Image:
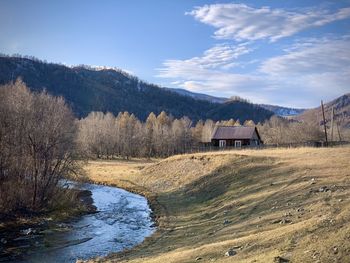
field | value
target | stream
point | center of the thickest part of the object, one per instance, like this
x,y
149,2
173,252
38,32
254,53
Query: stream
x,y
123,220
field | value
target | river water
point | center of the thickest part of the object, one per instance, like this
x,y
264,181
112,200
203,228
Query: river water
x,y
123,220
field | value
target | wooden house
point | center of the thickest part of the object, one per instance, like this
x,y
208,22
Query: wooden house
x,y
235,136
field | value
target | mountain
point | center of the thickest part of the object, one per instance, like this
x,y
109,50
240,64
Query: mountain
x,y
341,107
277,110
282,111
89,89
198,96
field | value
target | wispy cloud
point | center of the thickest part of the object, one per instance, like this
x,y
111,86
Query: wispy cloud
x,y
307,72
242,22
221,56
299,75
310,57
211,72
321,66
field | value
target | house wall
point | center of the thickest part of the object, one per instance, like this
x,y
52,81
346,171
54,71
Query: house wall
x,y
254,141
230,142
255,136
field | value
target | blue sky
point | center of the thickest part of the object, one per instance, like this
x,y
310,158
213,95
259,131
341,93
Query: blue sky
x,y
291,53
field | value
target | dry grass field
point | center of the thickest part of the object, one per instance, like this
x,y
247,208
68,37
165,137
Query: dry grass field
x,y
279,205
116,171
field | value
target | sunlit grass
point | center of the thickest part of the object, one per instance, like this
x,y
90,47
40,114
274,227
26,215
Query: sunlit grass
x,y
250,190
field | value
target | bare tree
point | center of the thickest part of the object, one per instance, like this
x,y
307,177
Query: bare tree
x,y
208,129
37,146
149,130
278,130
197,131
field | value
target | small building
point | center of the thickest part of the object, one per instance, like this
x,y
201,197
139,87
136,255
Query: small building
x,y
235,136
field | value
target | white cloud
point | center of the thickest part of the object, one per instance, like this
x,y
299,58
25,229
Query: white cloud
x,y
320,66
218,57
242,22
308,72
311,57
210,72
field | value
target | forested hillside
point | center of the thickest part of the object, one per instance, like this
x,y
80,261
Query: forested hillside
x,y
89,89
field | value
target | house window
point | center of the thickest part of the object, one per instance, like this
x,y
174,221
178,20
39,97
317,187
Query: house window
x,y
222,143
238,144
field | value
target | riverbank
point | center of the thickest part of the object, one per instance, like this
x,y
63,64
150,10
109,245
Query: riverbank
x,y
19,228
125,174
121,222
74,203
261,206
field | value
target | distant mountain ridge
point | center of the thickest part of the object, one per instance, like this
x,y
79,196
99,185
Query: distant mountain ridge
x,y
278,110
198,96
282,111
89,89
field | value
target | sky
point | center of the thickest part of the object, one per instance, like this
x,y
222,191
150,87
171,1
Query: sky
x,y
290,53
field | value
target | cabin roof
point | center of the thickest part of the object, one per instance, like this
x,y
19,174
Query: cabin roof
x,y
234,132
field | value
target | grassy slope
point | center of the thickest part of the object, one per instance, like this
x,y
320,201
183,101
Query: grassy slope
x,y
194,194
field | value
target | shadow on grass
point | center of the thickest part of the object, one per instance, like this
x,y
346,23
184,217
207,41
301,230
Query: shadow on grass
x,y
198,201
241,191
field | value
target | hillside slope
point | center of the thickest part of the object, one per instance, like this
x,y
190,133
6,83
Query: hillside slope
x,y
341,107
198,96
89,89
277,110
266,205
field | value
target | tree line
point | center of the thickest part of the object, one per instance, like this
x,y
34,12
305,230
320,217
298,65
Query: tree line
x,y
103,135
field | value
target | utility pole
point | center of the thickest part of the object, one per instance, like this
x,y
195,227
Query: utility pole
x,y
332,123
324,123
338,131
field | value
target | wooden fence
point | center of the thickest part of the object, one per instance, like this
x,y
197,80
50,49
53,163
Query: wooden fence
x,y
320,144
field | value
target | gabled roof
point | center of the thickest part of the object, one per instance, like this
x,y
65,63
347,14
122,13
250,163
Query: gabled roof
x,y
234,132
